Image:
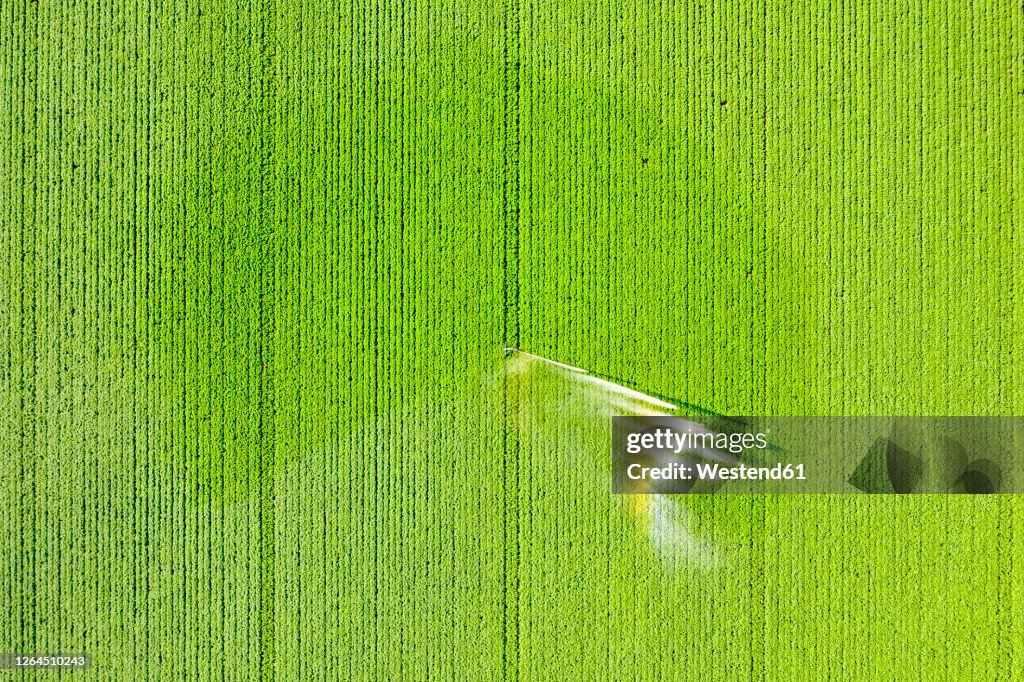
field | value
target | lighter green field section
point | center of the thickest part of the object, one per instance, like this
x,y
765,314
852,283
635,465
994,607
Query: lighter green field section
x,y
259,262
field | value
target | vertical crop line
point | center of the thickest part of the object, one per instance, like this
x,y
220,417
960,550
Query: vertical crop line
x,y
510,23
266,283
510,171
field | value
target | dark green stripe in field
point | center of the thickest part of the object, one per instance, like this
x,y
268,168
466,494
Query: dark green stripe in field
x,y
511,200
269,218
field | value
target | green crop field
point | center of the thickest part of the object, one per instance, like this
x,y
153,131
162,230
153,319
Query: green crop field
x,y
260,262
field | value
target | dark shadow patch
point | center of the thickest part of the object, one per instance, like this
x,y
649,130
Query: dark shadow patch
x,y
982,477
904,469
887,468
